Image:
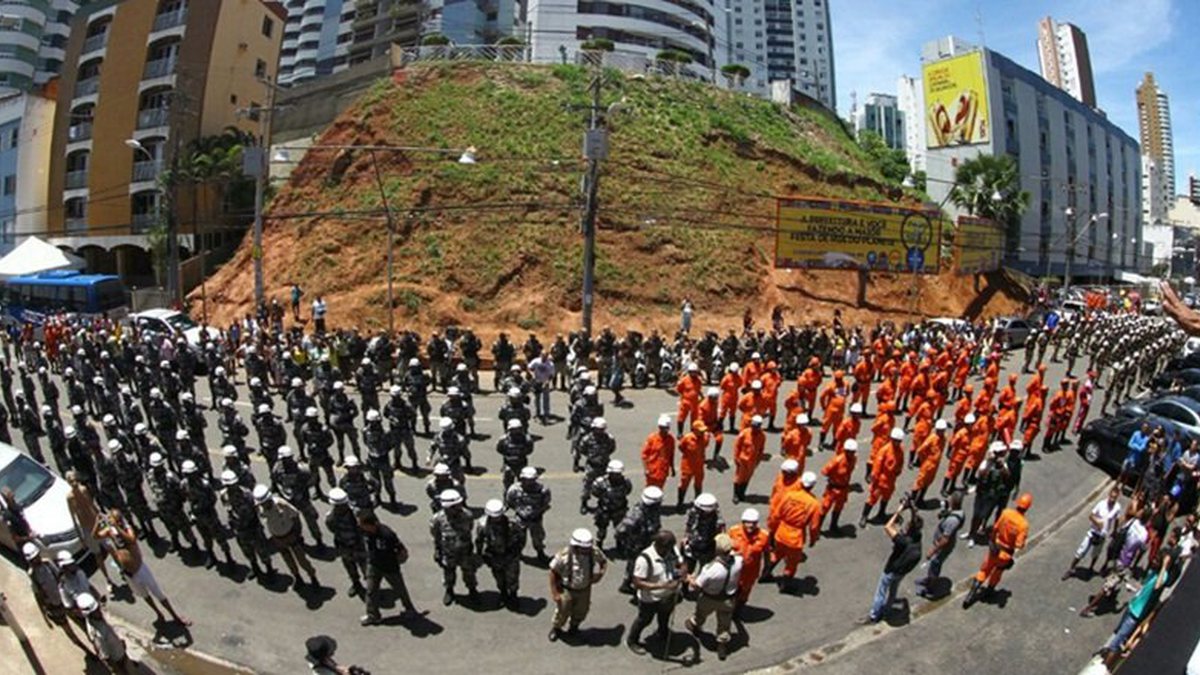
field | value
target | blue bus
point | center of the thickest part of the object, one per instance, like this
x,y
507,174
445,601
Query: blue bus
x,y
30,298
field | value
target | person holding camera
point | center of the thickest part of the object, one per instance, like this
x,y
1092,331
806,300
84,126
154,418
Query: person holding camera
x,y
906,553
944,539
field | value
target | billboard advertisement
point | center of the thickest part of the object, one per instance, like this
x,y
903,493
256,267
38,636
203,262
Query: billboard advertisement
x,y
837,234
956,102
980,243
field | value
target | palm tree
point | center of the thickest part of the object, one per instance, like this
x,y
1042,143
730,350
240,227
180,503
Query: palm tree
x,y
989,186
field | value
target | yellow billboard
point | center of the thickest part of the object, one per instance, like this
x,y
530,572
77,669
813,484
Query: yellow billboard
x,y
980,243
839,234
956,102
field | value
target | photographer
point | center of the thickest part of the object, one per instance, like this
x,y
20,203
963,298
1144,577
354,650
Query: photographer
x,y
321,649
944,539
906,553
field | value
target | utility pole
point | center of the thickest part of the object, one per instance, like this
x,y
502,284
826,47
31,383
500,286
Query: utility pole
x,y
595,149
1072,215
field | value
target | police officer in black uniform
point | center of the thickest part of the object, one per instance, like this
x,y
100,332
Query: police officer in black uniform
x,y
499,539
202,506
530,500
612,492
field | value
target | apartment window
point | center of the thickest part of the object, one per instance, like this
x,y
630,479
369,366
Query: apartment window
x,y
737,22
268,26
260,68
7,236
10,184
13,137
254,111
740,46
13,23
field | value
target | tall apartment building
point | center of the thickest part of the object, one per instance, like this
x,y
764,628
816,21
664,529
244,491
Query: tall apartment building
x,y
26,127
910,103
881,114
472,22
1066,64
1156,198
33,34
142,78
316,39
379,23
1082,172
783,40
1154,122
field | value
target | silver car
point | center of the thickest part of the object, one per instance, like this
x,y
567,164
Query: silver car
x,y
42,495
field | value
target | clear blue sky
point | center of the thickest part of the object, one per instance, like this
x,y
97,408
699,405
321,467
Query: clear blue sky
x,y
875,41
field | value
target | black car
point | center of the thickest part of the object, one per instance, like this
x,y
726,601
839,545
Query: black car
x,y
1104,442
1183,362
1187,377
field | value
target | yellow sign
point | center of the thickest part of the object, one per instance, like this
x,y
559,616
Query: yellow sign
x,y
832,234
980,244
956,102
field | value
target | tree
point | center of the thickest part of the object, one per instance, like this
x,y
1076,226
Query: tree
x,y
892,163
598,45
989,186
435,40
735,73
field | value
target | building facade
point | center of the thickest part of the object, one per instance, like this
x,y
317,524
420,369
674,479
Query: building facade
x,y
910,102
882,115
26,128
33,36
141,79
782,40
1156,199
1065,61
1082,172
316,39
1154,125
473,22
379,23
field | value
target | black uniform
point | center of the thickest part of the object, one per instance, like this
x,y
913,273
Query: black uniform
x,y
530,500
498,542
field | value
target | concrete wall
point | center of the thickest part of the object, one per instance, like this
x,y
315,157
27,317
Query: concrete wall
x,y
310,107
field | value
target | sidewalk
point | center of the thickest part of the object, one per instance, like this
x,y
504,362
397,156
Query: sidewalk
x,y
49,649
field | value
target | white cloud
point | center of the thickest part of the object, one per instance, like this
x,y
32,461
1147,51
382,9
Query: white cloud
x,y
1118,32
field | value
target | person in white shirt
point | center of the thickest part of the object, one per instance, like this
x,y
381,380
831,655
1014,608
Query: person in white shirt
x,y
542,370
718,586
657,575
1103,520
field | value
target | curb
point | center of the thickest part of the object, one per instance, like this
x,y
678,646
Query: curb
x,y
867,634
167,655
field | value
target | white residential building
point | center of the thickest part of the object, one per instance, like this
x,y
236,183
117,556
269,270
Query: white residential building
x,y
1066,64
33,36
316,39
26,129
910,101
1156,198
881,115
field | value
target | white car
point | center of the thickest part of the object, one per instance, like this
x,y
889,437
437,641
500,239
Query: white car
x,y
172,322
43,497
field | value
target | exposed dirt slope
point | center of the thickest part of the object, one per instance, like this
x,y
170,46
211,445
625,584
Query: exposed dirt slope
x,y
685,200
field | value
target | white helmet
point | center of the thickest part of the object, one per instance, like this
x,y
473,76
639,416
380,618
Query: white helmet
x,y
372,415
445,423
528,473
450,498
494,508
706,501
808,480
652,495
599,423
616,466
897,434
513,424
338,496
581,537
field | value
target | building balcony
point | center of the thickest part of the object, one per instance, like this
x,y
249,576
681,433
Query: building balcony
x,y
77,224
79,132
147,170
169,20
159,68
153,117
76,179
87,87
94,44
142,222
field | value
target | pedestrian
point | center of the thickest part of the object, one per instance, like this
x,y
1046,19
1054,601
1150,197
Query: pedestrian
x,y
296,294
750,542
658,454
1144,602
86,514
718,583
685,316
542,370
530,501
319,310
795,521
1102,521
657,575
573,572
282,522
612,492
905,555
1007,539
347,539
747,453
43,578
122,542
945,537
385,556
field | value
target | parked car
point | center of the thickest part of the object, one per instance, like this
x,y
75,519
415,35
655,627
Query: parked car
x,y
1070,308
1187,377
172,322
1104,441
43,497
1182,410
1013,331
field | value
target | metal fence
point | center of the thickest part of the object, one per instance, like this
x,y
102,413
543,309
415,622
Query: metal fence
x,y
630,62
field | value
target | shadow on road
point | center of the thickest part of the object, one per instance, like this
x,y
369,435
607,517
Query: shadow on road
x,y
595,637
418,625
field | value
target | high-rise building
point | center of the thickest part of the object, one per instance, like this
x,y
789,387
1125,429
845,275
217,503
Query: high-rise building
x,y
1066,64
26,127
142,78
1156,199
316,39
1154,122
33,34
377,24
909,101
881,115
472,22
1082,172
783,40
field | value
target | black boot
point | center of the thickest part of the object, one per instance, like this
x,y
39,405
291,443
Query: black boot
x,y
862,521
679,495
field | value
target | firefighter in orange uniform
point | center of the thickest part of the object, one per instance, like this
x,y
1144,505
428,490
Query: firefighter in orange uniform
x,y
754,368
863,376
710,414
771,380
796,522
795,442
1008,538
1008,395
960,448
752,403
924,425
731,386
658,454
808,383
886,393
837,472
981,431
833,405
692,449
963,407
849,427
688,387
747,453
1031,417
1059,417
884,474
930,457
1006,422
749,541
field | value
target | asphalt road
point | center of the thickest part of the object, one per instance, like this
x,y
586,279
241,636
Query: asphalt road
x,y
264,626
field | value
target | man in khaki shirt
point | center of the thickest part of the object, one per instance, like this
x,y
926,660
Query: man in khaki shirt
x,y
573,572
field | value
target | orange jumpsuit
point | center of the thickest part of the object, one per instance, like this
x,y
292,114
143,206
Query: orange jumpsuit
x,y
752,371
1058,408
1006,424
885,471
849,428
962,368
710,415
930,457
886,393
689,389
981,431
771,380
1008,536
1008,395
784,483
658,457
798,522
837,472
1035,383
863,375
963,407
808,383
747,453
920,389
1031,419
791,407
752,403
752,546
960,447
833,405
731,384
795,445
908,370
924,425
691,460
983,403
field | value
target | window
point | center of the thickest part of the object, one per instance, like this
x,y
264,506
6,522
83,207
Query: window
x,y
13,23
10,184
255,111
7,236
260,68
268,26
10,139
233,99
